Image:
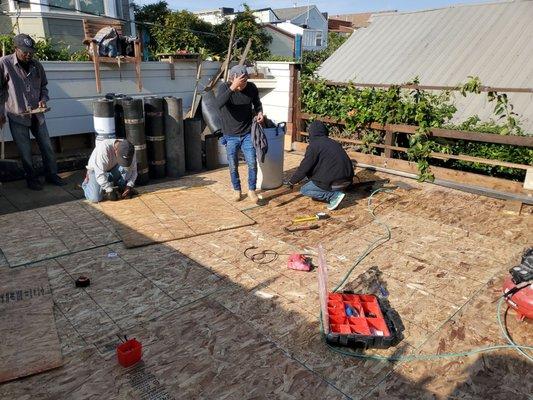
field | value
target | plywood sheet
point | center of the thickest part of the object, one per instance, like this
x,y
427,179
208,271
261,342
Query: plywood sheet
x,y
172,214
44,233
30,343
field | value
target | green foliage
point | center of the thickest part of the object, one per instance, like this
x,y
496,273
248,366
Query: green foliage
x,y
151,14
246,26
47,50
6,42
311,60
359,107
182,30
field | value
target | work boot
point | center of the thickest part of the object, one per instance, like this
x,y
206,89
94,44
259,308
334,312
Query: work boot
x,y
253,196
55,180
236,195
34,184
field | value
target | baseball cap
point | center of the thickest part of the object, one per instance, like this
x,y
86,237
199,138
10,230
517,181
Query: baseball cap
x,y
25,43
125,152
238,70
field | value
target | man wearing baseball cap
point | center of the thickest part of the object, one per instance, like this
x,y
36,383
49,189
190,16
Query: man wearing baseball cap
x,y
111,171
238,100
23,88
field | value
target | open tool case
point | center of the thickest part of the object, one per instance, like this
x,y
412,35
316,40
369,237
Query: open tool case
x,y
359,320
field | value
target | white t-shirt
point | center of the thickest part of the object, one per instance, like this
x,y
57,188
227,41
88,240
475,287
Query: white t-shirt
x,y
103,159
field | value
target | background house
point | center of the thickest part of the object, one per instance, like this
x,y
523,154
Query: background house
x,y
307,21
60,19
443,47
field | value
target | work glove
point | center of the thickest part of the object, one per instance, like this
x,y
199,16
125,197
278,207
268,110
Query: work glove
x,y
112,195
128,192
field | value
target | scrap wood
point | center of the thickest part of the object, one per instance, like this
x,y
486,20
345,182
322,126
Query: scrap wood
x,y
30,343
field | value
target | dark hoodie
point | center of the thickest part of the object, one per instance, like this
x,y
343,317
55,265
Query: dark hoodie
x,y
325,160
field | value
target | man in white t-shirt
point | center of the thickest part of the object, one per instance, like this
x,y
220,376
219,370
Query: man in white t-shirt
x,y
111,171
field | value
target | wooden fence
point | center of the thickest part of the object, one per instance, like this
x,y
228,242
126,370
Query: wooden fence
x,y
389,160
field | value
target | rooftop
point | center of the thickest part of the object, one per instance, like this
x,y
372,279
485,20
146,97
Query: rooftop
x,y
216,324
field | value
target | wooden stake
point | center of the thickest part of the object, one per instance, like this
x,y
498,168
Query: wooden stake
x,y
228,56
246,51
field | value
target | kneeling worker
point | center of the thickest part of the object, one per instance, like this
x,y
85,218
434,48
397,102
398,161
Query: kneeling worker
x,y
111,171
328,167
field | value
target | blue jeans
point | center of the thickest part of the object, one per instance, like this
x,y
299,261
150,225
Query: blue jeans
x,y
313,191
21,136
233,145
91,188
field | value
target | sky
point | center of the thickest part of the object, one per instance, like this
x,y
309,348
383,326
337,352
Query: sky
x,y
330,6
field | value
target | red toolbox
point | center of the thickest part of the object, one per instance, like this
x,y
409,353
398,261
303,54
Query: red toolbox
x,y
356,320
361,321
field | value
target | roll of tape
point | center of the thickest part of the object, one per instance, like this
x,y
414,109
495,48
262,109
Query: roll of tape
x,y
83,281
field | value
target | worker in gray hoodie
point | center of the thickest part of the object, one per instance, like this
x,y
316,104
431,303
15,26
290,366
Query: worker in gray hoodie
x,y
111,171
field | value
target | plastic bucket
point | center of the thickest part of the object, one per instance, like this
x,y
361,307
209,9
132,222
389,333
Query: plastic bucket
x,y
270,172
129,353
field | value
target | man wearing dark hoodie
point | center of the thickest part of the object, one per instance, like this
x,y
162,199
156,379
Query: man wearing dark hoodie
x,y
328,167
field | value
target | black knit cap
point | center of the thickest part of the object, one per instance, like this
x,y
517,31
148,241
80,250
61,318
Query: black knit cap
x,y
317,128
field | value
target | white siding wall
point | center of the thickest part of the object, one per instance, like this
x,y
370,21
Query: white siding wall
x,y
276,101
72,90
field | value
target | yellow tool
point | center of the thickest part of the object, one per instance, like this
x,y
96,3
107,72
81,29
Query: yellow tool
x,y
316,217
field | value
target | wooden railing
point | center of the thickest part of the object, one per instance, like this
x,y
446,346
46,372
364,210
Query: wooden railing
x,y
388,160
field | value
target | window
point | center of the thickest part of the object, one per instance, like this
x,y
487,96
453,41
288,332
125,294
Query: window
x,y
61,4
89,6
318,39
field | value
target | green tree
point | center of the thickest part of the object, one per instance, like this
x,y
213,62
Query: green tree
x,y
246,26
182,30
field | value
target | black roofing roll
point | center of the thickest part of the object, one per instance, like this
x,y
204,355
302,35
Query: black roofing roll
x,y
104,119
119,115
134,127
193,143
155,136
174,140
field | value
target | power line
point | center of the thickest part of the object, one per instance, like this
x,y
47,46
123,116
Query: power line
x,y
88,13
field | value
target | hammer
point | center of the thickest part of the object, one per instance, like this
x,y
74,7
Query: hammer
x,y
316,217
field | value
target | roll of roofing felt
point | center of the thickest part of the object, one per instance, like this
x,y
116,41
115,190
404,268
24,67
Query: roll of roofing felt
x,y
104,119
134,127
155,136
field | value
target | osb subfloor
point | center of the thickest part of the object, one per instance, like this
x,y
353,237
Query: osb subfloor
x,y
215,325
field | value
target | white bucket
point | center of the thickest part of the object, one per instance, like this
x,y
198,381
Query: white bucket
x,y
222,153
270,172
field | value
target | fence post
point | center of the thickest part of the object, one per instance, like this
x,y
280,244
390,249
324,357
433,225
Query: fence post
x,y
389,141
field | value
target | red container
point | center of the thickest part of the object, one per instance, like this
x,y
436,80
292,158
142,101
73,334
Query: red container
x,y
129,352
